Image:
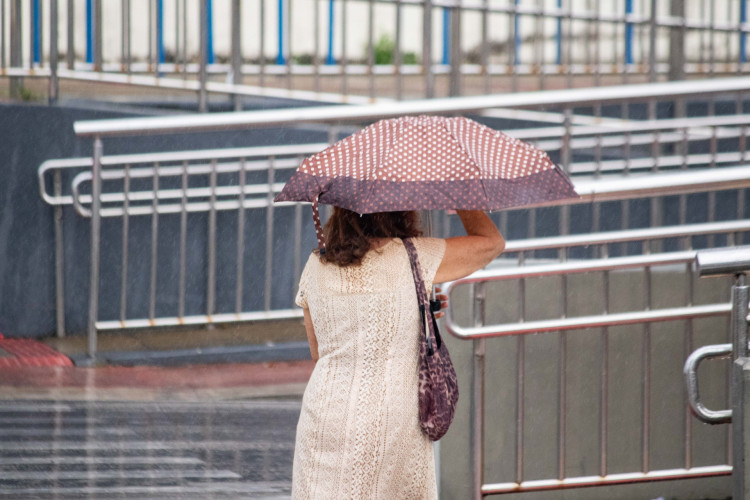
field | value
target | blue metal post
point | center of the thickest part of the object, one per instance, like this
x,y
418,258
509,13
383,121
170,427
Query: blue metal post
x,y
330,59
280,59
89,31
517,36
558,35
628,34
446,36
37,33
743,35
210,38
160,30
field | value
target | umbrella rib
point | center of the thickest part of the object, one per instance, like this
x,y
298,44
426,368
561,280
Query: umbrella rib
x,y
471,159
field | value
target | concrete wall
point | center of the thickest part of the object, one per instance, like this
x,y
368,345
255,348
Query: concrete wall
x,y
32,134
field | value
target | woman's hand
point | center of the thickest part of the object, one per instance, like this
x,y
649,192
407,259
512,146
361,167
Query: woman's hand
x,y
443,301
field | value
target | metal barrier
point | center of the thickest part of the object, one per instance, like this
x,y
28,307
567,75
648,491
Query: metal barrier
x,y
734,262
480,331
309,51
152,199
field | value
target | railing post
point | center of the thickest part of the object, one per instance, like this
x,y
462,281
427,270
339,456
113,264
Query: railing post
x,y
740,389
477,397
429,76
70,46
203,56
652,44
98,62
16,47
628,35
53,55
59,258
96,190
236,51
677,42
455,48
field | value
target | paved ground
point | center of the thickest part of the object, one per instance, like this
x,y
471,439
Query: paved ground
x,y
209,431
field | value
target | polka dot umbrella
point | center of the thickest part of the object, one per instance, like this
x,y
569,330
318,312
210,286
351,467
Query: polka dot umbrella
x,y
423,163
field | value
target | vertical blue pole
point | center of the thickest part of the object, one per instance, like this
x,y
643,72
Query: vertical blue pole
x,y
446,36
558,36
37,34
330,59
628,34
743,35
89,32
517,35
210,35
160,30
280,57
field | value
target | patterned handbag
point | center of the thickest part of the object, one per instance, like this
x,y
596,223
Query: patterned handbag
x,y
438,386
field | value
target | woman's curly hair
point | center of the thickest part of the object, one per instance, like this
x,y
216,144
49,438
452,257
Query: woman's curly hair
x,y
347,233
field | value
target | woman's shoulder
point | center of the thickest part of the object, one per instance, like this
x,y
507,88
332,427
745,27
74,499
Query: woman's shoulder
x,y
432,246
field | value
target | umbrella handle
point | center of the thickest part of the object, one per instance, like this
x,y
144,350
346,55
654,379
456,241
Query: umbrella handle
x,y
318,227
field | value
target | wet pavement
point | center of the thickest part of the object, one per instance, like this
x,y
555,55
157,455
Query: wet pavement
x,y
223,431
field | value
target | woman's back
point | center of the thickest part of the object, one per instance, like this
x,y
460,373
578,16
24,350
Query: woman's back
x,y
359,434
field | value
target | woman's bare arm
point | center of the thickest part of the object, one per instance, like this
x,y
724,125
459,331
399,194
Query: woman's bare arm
x,y
311,338
466,254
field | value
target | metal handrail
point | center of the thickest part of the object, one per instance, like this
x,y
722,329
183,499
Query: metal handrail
x,y
720,351
329,114
591,190
170,157
567,268
478,333
609,237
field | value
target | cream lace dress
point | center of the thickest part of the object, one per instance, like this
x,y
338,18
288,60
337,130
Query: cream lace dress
x,y
358,435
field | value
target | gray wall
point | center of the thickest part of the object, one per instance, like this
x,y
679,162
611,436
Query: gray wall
x,y
32,134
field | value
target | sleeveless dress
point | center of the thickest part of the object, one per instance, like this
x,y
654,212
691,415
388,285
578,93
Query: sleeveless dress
x,y
358,435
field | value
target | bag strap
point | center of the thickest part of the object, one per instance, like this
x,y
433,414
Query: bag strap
x,y
425,304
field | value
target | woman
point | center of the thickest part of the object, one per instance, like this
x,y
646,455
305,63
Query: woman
x,y
358,434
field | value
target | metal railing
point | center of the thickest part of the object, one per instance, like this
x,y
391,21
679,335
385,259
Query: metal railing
x,y
308,50
154,180
599,328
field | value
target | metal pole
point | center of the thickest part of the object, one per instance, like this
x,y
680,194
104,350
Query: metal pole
x,y
429,77
739,326
628,34
16,47
89,30
159,34
70,51
236,51
3,62
36,34
446,36
280,54
455,41
210,32
54,87
97,35
125,38
652,44
677,42
558,36
203,56
477,399
59,258
330,59
743,35
96,191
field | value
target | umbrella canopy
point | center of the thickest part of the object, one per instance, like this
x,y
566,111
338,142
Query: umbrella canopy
x,y
427,162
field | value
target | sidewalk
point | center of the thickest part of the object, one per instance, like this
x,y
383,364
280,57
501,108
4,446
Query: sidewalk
x,y
231,381
224,363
